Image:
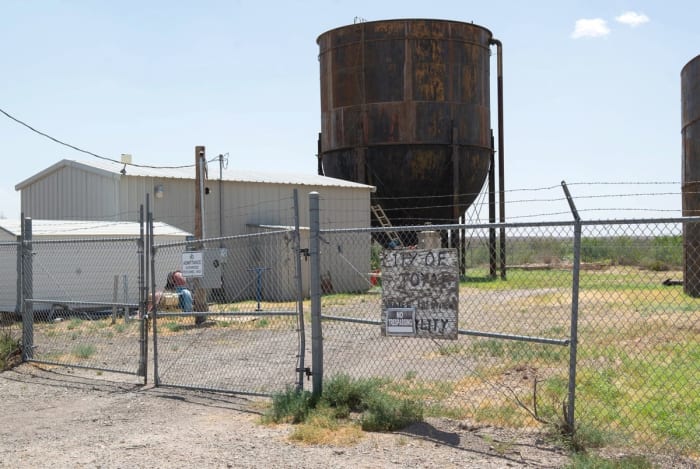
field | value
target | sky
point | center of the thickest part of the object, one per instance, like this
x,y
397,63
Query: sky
x,y
591,89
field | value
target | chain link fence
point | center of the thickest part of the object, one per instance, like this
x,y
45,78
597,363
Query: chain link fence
x,y
511,335
639,336
505,324
513,360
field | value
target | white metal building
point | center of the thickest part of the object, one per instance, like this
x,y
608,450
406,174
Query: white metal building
x,y
97,190
235,201
77,271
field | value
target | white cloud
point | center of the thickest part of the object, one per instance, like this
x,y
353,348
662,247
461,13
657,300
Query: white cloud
x,y
632,18
594,27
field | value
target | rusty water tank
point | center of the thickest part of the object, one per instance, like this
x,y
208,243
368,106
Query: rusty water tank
x,y
405,108
690,131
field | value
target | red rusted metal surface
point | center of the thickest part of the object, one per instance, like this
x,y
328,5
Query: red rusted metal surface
x,y
690,131
404,104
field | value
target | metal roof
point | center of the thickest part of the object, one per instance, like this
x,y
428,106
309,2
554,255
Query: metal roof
x,y
78,228
106,168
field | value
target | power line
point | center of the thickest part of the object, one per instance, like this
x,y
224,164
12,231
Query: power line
x,y
43,134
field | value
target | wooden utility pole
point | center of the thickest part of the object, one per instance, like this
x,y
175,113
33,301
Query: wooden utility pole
x,y
199,293
199,161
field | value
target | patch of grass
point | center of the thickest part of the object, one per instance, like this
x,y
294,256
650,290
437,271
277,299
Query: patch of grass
x,y
425,391
337,299
290,406
100,324
9,347
74,324
322,427
386,413
592,461
450,349
518,351
646,393
587,436
529,351
505,413
517,279
455,412
173,326
551,395
615,278
346,394
488,347
84,351
120,327
433,396
342,397
223,307
264,322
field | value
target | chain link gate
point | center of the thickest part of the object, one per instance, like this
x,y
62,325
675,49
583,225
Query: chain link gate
x,y
10,304
80,302
244,329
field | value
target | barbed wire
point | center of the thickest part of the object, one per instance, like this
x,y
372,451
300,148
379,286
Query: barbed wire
x,y
538,189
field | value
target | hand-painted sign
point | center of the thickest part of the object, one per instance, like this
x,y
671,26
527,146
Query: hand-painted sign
x,y
426,280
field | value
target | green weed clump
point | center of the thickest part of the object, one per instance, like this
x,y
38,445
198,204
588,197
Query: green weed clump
x,y
342,396
291,406
84,351
173,326
385,413
346,395
74,324
9,346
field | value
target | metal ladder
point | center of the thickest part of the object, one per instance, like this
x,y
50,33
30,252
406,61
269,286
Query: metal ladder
x,y
384,221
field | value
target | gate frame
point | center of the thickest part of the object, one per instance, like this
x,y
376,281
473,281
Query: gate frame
x,y
26,280
152,249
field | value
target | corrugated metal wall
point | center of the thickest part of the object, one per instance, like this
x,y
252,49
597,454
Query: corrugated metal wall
x,y
72,194
243,204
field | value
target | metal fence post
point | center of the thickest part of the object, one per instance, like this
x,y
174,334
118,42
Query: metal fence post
x,y
300,292
315,280
27,290
143,301
571,404
152,270
20,269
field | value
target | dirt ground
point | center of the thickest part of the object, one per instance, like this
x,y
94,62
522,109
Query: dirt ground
x,y
61,417
68,417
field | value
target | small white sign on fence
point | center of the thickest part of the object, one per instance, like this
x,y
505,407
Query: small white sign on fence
x,y
192,264
401,321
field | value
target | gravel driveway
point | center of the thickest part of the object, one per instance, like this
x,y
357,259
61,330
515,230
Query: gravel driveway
x,y
59,417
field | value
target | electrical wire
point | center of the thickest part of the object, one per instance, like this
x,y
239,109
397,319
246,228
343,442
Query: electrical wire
x,y
87,152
